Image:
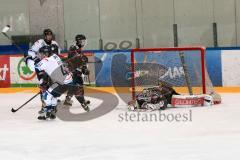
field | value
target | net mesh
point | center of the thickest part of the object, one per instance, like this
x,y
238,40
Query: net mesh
x,y
180,68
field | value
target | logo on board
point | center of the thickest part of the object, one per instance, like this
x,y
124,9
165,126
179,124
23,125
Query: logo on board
x,y
24,72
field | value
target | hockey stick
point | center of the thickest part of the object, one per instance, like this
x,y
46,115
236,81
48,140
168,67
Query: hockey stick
x,y
15,110
4,32
103,57
101,60
88,77
89,82
186,74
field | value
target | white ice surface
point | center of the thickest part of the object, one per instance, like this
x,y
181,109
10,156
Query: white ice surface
x,y
213,134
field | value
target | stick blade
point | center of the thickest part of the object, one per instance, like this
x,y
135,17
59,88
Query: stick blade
x,y
13,110
6,29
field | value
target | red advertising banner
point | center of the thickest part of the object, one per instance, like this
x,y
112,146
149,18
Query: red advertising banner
x,y
4,71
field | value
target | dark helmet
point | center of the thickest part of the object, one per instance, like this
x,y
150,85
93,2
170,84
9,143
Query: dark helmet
x,y
48,39
47,32
45,50
80,37
80,40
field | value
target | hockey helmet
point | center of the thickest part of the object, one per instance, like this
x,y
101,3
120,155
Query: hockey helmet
x,y
47,32
45,51
81,40
48,35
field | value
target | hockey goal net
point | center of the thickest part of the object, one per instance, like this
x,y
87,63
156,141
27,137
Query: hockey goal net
x,y
182,68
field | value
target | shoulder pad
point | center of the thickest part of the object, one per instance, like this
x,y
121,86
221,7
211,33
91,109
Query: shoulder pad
x,y
37,45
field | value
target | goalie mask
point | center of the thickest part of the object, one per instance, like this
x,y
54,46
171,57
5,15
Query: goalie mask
x,y
81,40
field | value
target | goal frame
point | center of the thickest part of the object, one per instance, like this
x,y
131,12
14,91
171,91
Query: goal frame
x,y
202,53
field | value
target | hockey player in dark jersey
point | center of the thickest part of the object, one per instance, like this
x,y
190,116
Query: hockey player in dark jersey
x,y
75,55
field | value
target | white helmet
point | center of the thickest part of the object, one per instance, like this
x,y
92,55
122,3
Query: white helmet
x,y
208,100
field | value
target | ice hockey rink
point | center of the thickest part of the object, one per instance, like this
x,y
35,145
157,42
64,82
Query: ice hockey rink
x,y
212,133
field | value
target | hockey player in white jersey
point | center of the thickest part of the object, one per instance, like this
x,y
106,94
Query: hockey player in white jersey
x,y
61,79
31,58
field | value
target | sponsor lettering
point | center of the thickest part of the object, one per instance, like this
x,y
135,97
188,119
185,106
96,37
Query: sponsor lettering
x,y
3,72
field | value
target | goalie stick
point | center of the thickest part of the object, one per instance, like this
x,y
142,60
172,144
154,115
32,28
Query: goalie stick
x,y
15,110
